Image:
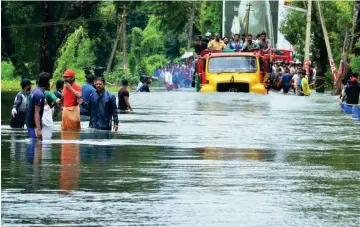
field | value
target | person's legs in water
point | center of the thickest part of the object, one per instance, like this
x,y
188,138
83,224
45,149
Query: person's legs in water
x,y
32,134
285,89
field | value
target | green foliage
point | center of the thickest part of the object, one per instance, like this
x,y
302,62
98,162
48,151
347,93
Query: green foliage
x,y
107,9
115,77
156,32
177,60
11,85
153,39
174,17
131,63
209,18
156,61
355,60
75,54
147,49
31,47
338,19
84,55
102,31
7,71
117,74
294,28
24,40
338,15
136,54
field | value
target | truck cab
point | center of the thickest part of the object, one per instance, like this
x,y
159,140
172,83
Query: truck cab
x,y
234,71
230,72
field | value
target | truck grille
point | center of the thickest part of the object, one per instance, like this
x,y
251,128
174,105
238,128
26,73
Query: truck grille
x,y
233,87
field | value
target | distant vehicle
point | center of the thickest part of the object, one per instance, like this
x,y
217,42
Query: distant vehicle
x,y
237,71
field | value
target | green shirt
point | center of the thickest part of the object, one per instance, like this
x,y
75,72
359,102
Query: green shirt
x,y
50,97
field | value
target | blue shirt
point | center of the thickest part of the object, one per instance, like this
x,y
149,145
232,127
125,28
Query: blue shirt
x,y
87,89
37,98
286,79
233,45
102,109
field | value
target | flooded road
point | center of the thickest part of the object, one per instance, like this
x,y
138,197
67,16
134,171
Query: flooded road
x,y
190,159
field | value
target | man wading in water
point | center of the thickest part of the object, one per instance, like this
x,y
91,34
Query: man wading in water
x,y
36,107
123,95
19,109
101,107
352,92
71,93
87,89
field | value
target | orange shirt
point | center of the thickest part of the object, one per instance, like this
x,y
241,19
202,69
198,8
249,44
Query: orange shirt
x,y
69,98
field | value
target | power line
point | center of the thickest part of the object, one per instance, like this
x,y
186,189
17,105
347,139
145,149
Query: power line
x,y
46,24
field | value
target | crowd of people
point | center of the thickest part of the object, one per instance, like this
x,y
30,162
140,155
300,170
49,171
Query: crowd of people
x,y
236,43
71,102
284,76
291,76
176,75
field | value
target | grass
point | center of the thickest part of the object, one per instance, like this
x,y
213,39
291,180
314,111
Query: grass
x,y
14,85
10,85
11,82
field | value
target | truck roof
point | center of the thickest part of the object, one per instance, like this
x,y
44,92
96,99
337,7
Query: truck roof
x,y
278,54
228,54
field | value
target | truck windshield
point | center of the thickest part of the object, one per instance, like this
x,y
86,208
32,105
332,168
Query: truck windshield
x,y
241,64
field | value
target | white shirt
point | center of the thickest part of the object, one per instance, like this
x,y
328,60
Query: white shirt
x,y
314,74
168,78
292,70
296,80
47,116
140,84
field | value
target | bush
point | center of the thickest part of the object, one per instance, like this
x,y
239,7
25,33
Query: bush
x,y
156,61
7,71
10,85
117,75
355,60
75,54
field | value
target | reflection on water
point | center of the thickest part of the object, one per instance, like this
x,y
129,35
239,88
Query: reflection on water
x,y
211,153
70,162
190,159
33,158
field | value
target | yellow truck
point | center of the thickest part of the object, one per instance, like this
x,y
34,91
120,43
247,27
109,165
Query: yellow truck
x,y
230,72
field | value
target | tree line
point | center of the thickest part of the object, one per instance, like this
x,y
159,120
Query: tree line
x,y
128,38
342,21
133,38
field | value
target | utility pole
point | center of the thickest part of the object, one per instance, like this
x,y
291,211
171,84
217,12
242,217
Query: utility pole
x,y
307,37
223,19
247,18
327,43
191,23
347,48
113,51
355,22
124,38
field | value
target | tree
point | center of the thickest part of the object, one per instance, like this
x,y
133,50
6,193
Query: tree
x,y
209,18
33,41
355,60
338,17
74,53
102,30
